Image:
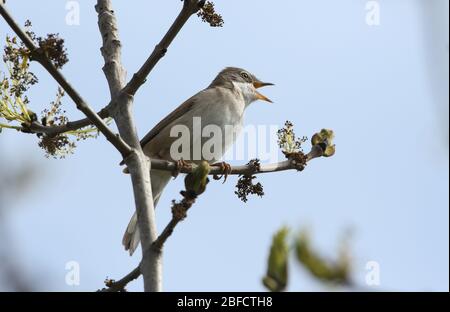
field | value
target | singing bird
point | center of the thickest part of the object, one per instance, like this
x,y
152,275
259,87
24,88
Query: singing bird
x,y
221,104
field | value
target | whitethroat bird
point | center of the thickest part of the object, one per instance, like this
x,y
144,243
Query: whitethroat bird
x,y
222,104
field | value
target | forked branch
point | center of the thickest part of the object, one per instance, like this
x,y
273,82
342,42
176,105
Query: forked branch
x,y
121,111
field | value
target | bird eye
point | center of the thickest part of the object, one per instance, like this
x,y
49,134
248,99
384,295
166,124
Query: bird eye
x,y
245,76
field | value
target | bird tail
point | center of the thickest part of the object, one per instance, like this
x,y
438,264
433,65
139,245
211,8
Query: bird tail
x,y
131,236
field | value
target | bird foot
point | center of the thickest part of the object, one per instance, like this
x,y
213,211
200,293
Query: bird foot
x,y
180,165
226,170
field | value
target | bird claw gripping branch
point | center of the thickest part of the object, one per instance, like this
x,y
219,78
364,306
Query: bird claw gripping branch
x,y
180,166
226,170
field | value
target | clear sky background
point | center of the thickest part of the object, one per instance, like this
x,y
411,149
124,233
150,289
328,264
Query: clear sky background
x,y
382,89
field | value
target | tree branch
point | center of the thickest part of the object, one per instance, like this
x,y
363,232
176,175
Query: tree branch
x,y
111,50
179,213
316,151
138,165
119,286
38,55
36,127
190,7
121,111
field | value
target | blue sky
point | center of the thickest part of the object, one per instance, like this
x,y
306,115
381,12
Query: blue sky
x,y
382,89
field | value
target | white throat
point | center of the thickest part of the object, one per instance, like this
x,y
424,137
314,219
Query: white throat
x,y
246,90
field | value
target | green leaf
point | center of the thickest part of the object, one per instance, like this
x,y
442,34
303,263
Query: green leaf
x,y
336,272
277,269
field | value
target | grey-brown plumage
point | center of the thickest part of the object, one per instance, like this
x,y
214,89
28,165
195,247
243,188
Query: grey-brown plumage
x,y
222,104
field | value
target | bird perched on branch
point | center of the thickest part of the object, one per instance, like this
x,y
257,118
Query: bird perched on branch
x,y
222,104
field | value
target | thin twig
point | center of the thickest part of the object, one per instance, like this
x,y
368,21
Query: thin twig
x,y
118,286
179,213
190,7
316,151
36,127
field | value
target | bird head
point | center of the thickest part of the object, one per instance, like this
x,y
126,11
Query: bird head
x,y
243,82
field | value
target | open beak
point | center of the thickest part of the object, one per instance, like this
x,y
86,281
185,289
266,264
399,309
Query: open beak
x,y
260,84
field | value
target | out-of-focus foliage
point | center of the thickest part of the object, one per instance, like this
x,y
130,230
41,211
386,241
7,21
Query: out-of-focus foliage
x,y
331,272
13,84
16,179
276,278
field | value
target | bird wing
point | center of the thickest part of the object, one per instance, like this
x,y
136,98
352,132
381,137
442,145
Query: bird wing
x,y
174,115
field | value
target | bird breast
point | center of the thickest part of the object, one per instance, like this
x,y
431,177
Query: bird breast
x,y
223,110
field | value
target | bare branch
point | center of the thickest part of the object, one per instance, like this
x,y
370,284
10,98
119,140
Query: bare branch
x,y
38,55
122,98
190,7
179,213
119,286
111,50
316,151
36,127
139,167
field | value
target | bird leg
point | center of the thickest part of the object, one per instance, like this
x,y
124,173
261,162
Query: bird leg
x,y
226,170
180,165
